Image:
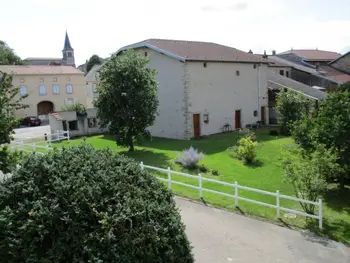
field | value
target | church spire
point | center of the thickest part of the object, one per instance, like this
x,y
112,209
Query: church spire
x,y
67,44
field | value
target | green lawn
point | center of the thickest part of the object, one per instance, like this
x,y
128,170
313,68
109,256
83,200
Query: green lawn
x,y
266,175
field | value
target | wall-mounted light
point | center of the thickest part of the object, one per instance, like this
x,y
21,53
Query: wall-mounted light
x,y
206,118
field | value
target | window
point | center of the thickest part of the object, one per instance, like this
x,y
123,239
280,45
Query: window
x,y
68,79
23,90
22,80
55,89
92,123
42,90
287,74
69,88
237,72
282,72
69,54
205,64
94,88
255,113
73,125
41,80
145,54
54,79
254,66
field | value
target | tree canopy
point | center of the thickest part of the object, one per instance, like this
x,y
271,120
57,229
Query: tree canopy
x,y
86,205
94,60
8,56
127,102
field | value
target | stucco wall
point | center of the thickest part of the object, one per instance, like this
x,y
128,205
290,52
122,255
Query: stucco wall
x,y
285,69
218,91
170,75
32,82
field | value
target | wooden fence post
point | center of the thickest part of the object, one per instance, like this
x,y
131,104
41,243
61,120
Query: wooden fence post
x,y
169,178
236,194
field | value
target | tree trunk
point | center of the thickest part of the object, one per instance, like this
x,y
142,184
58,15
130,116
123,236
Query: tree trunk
x,y
342,181
131,144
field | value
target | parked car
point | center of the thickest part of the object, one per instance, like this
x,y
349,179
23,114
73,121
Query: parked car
x,y
31,121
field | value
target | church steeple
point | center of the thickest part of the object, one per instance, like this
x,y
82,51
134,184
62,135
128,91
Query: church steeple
x,y
68,52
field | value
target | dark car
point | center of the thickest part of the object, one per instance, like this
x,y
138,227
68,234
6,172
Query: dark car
x,y
31,121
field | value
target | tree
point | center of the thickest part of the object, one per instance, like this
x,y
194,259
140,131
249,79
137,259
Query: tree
x,y
9,102
94,60
86,205
290,107
7,55
308,172
127,101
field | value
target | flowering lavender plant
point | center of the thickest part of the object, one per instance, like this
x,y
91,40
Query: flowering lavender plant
x,y
190,158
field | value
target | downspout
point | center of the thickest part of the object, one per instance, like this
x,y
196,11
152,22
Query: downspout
x,y
258,110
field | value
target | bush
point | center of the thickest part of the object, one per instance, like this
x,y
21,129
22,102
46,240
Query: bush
x,y
190,158
87,205
215,172
273,132
203,169
245,149
308,172
9,160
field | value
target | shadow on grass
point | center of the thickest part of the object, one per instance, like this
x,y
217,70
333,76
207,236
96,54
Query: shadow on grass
x,y
208,145
149,158
337,230
256,164
338,200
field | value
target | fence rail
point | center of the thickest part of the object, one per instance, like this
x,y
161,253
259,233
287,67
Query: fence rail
x,y
25,146
236,196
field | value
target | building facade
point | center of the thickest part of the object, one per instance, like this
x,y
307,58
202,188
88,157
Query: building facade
x,y
204,88
49,88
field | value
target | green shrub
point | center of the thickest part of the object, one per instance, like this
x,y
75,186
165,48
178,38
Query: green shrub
x,y
190,158
9,160
245,149
203,169
215,172
86,205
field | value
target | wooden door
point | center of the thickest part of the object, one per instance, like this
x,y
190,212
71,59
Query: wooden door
x,y
238,119
196,125
263,115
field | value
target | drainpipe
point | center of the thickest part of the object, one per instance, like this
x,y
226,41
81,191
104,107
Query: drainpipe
x,y
258,110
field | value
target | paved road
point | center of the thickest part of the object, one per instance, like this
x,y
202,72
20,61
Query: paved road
x,y
219,236
29,132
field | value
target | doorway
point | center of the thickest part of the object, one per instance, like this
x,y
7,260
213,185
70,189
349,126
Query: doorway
x,y
44,107
238,119
196,125
263,115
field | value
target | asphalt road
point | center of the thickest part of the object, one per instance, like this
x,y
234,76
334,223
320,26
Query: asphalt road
x,y
219,236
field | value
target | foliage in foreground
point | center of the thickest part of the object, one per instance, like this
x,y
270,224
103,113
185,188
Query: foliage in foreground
x,y
87,205
290,107
190,158
94,60
308,172
127,102
8,56
9,103
245,150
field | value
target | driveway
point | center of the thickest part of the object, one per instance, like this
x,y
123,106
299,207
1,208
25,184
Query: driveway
x,y
29,132
220,236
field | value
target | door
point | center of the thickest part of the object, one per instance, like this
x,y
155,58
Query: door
x,y
263,115
196,125
238,119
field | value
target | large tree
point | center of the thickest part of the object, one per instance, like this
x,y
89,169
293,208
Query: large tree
x,y
8,56
94,60
128,101
10,101
290,107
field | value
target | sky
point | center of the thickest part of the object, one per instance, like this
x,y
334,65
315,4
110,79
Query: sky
x,y
36,28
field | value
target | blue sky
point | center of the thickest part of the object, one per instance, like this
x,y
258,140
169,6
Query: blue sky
x,y
36,28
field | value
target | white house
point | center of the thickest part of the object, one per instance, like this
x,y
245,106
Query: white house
x,y
204,87
91,85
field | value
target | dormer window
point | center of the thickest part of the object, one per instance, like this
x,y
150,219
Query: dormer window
x,y
69,54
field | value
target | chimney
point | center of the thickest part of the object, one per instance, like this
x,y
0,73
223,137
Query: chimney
x,y
273,52
264,56
250,51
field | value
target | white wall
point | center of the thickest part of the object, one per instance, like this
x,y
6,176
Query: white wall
x,y
217,90
170,123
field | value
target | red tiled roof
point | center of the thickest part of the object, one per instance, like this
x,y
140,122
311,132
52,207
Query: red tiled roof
x,y
334,74
309,54
199,51
33,70
50,59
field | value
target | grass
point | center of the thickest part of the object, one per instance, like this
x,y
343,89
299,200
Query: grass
x,y
267,175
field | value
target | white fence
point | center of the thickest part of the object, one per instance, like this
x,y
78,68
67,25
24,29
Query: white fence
x,y
236,196
28,145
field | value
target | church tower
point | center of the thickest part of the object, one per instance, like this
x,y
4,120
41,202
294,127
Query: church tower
x,y
68,53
